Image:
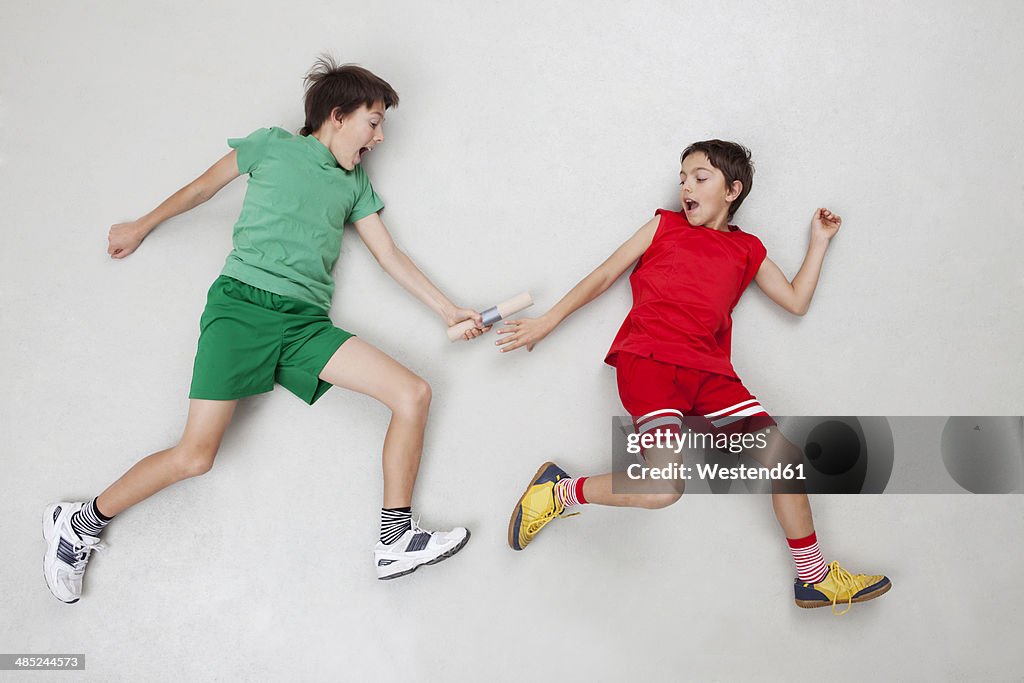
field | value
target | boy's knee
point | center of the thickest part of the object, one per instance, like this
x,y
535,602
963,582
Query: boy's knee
x,y
195,459
788,453
657,501
415,397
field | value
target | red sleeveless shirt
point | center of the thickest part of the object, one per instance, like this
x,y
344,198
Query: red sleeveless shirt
x,y
685,287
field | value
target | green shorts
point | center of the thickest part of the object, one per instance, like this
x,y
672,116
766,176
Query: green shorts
x,y
250,338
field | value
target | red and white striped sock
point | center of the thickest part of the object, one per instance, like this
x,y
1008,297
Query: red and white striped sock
x,y
569,491
810,565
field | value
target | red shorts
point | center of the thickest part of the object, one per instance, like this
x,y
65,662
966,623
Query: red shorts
x,y
659,395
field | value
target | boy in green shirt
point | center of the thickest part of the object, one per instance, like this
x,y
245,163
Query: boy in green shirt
x,y
266,321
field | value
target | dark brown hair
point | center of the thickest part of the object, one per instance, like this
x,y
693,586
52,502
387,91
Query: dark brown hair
x,y
344,88
732,159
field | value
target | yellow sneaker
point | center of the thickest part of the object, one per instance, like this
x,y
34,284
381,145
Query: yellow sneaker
x,y
840,586
536,507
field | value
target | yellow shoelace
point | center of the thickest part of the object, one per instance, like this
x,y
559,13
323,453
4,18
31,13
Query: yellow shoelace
x,y
844,581
533,527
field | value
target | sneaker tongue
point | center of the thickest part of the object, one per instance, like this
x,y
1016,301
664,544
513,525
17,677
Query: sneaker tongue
x,y
416,528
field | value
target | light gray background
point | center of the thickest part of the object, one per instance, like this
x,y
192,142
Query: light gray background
x,y
531,140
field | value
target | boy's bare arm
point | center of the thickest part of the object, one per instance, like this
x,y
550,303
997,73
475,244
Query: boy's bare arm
x,y
529,331
400,267
795,296
124,238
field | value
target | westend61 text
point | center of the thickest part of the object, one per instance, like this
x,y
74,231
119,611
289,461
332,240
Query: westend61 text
x,y
779,472
734,443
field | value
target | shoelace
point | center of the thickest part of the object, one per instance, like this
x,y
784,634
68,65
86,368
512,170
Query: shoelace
x,y
535,526
844,581
82,553
416,528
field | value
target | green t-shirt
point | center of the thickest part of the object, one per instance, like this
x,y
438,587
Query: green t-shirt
x,y
288,236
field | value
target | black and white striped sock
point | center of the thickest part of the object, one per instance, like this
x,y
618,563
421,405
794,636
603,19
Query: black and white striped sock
x,y
393,523
89,520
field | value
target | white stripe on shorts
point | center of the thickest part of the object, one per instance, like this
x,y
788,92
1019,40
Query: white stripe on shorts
x,y
755,409
659,418
731,408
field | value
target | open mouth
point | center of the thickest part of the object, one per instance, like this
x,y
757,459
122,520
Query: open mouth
x,y
689,204
361,152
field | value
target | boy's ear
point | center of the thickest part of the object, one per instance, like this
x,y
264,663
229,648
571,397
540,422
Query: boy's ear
x,y
734,191
337,116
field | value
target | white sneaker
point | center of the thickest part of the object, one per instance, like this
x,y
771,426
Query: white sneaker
x,y
417,547
67,553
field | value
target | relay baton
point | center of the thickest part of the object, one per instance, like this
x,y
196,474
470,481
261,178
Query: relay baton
x,y
492,315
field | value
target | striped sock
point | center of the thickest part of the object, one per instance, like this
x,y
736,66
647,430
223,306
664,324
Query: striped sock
x,y
810,565
89,520
393,523
569,491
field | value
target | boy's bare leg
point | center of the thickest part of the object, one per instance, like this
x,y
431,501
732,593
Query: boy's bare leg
x,y
793,508
617,489
361,367
401,550
814,586
192,456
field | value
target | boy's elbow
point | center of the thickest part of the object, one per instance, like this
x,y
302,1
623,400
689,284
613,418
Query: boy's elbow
x,y
606,277
200,192
387,256
800,309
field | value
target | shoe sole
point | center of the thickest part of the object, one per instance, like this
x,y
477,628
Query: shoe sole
x,y
443,556
810,604
48,515
512,535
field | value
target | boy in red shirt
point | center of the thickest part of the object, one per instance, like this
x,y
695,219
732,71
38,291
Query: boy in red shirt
x,y
672,357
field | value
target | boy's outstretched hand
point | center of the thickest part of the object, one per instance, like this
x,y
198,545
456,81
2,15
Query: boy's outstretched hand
x,y
124,238
457,315
523,332
825,224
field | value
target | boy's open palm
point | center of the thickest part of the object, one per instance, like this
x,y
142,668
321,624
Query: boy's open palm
x,y
523,332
